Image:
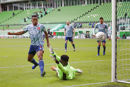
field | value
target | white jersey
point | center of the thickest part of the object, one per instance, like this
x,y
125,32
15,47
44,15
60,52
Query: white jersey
x,y
101,28
36,33
69,30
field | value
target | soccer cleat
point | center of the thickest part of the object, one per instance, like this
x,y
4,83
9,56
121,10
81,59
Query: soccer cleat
x,y
98,54
34,66
65,50
43,74
74,50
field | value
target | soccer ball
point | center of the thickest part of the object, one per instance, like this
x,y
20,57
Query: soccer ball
x,y
100,36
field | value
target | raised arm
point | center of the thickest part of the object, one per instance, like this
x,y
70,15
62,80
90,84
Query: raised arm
x,y
55,56
47,39
62,68
17,33
57,60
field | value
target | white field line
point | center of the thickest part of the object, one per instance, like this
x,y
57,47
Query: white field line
x,y
75,62
124,81
87,84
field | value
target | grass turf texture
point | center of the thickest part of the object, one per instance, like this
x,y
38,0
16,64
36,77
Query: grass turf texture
x,y
15,70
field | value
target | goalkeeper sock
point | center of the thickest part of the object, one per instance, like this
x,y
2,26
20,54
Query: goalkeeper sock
x,y
65,46
104,49
34,62
41,65
98,50
73,46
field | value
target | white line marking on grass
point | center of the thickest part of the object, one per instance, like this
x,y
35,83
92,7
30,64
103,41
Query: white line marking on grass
x,y
85,61
87,84
75,62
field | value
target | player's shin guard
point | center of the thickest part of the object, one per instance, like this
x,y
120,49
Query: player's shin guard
x,y
98,50
34,62
65,46
104,50
41,65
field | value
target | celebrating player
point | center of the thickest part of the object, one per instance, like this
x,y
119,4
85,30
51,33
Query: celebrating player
x,y
36,35
64,70
69,34
102,27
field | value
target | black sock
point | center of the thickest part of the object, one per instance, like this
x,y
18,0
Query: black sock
x,y
73,46
104,49
98,49
34,62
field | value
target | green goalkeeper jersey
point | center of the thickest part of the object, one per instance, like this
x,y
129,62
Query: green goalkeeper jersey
x,y
68,70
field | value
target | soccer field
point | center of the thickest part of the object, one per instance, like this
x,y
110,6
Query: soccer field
x,y
15,70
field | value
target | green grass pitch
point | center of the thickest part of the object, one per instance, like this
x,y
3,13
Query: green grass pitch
x,y
15,70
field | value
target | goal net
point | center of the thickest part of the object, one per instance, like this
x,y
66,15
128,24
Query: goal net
x,y
121,41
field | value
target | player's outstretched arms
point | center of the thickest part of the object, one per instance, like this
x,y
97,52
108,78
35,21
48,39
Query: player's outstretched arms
x,y
17,33
62,67
76,70
51,50
53,54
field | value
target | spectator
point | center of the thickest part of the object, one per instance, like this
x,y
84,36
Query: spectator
x,y
45,11
93,24
40,11
25,20
80,25
59,9
125,15
75,25
41,15
87,35
49,33
13,14
89,24
124,36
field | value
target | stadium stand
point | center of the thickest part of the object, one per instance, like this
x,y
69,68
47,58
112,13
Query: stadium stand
x,y
104,11
94,15
7,15
62,14
19,19
123,8
81,13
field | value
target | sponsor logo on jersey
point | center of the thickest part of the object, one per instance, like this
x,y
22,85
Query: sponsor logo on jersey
x,y
38,28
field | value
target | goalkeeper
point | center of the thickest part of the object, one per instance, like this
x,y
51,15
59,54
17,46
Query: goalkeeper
x,y
64,70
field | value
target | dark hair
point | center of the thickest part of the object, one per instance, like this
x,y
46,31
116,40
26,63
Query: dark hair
x,y
65,58
34,16
101,18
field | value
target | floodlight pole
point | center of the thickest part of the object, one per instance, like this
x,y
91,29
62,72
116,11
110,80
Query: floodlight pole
x,y
114,42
